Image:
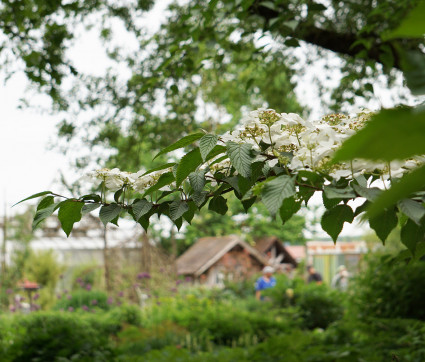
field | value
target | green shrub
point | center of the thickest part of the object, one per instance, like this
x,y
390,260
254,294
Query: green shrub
x,y
136,341
390,290
318,305
49,336
127,314
83,299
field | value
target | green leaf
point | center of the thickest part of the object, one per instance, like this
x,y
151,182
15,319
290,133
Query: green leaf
x,y
305,193
206,145
412,26
141,208
332,192
118,194
164,180
316,7
197,180
414,210
217,150
181,143
46,202
257,170
248,203
330,203
391,134
199,198
233,181
419,250
276,190
188,163
69,213
34,196
333,220
109,213
89,208
244,185
178,223
289,208
413,65
411,234
241,157
408,184
91,197
189,214
42,214
159,168
384,223
362,208
218,204
370,194
177,209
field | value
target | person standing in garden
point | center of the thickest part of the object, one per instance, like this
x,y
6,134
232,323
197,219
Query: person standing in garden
x,y
340,280
313,275
264,282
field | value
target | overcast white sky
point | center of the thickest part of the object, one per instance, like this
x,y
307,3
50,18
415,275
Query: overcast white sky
x,y
27,165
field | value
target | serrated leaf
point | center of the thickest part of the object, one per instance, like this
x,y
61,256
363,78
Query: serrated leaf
x,y
241,157
408,184
91,197
233,181
197,180
370,194
257,170
177,209
188,163
411,234
185,141
178,223
333,220
248,203
414,210
305,193
218,204
118,194
329,203
217,150
42,214
46,202
390,134
69,213
164,180
34,196
244,185
362,208
89,208
276,190
206,144
109,213
141,208
384,223
332,192
199,198
289,208
189,214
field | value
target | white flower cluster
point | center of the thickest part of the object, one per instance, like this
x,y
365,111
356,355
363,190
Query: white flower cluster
x,y
283,138
310,146
115,179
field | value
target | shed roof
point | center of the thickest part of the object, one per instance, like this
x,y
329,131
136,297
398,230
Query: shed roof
x,y
263,245
207,251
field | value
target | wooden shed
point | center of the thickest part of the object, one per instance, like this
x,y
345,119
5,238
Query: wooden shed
x,y
211,260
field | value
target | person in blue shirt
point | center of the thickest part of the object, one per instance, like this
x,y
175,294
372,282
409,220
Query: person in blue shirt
x,y
264,282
